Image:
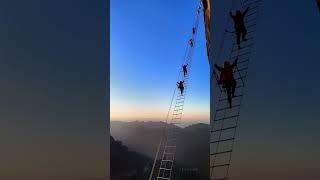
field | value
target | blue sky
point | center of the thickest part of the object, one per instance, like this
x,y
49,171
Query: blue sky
x,y
148,41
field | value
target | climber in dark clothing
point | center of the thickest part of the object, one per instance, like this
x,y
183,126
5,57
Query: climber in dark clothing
x,y
191,42
184,67
239,26
198,10
227,79
180,85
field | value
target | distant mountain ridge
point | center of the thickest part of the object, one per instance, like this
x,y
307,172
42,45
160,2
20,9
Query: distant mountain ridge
x,y
144,137
126,164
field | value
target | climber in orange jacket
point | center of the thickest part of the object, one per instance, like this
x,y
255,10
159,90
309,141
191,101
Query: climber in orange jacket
x,y
227,78
180,85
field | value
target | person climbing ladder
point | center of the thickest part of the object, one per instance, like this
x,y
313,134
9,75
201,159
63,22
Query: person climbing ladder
x,y
180,85
239,26
191,42
227,79
184,68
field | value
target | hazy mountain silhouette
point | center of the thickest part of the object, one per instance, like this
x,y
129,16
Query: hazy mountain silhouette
x,y
127,165
144,137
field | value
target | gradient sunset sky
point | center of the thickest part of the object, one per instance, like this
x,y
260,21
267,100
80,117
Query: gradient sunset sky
x,y
148,41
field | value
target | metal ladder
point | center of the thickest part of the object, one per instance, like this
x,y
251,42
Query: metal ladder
x,y
172,129
224,125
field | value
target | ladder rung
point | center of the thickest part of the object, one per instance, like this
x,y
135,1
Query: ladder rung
x,y
179,99
251,32
242,48
242,69
220,165
166,160
162,178
223,129
240,60
178,109
171,136
229,117
166,152
166,164
243,61
227,108
166,169
236,45
253,13
224,99
171,139
223,140
221,152
237,87
242,77
243,54
251,25
253,8
176,114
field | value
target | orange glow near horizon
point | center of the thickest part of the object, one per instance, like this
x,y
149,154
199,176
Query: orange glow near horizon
x,y
142,113
126,109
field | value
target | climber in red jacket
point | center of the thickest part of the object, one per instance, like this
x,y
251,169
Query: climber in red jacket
x,y
180,85
227,79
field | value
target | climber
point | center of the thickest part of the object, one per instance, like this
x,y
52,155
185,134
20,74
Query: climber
x,y
191,42
180,85
193,30
184,67
227,79
239,26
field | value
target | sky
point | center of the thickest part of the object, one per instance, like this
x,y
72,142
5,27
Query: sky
x,y
147,44
279,118
53,89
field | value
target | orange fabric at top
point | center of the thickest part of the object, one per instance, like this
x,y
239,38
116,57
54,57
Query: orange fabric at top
x,y
206,12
